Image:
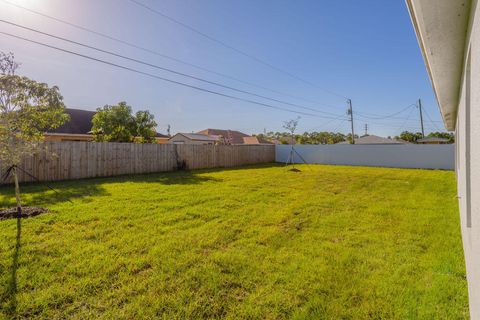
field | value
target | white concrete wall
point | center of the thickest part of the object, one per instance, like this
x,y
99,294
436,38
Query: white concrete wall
x,y
395,156
468,163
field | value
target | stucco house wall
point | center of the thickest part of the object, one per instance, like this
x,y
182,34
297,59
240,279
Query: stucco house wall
x,y
468,160
448,32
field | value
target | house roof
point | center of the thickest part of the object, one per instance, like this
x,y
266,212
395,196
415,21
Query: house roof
x,y
441,27
198,136
232,136
255,140
433,139
372,139
80,122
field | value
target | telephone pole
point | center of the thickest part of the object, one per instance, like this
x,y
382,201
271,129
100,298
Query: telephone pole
x,y
366,129
421,116
350,112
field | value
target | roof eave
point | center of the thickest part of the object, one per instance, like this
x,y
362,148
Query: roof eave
x,y
441,29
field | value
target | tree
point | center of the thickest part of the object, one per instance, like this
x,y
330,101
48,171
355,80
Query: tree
x,y
410,136
117,124
27,109
145,127
291,126
114,123
446,135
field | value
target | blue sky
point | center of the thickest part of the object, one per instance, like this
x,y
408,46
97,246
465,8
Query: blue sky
x,y
363,50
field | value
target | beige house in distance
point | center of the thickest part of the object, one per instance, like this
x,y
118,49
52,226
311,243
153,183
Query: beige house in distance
x,y
193,138
448,32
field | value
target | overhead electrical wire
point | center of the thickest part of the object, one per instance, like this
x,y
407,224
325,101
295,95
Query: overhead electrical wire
x,y
161,78
132,45
163,68
325,124
228,46
360,114
386,116
428,116
408,117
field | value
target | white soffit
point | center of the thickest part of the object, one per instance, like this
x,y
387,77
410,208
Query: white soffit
x,y
441,27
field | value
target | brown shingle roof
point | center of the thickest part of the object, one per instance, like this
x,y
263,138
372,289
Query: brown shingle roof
x,y
255,140
81,123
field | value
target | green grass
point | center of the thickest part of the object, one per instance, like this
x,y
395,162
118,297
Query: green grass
x,y
329,242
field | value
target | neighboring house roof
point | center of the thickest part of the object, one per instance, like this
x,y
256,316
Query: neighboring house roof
x,y
80,122
198,136
255,140
441,27
433,139
229,136
372,139
159,135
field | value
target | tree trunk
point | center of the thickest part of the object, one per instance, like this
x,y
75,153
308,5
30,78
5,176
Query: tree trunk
x,y
17,192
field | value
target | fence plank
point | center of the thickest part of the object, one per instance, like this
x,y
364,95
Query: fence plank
x,y
76,160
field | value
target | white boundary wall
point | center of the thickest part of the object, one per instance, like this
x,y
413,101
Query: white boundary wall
x,y
395,156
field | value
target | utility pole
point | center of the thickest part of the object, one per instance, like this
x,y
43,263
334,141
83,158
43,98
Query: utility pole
x,y
350,112
421,116
366,129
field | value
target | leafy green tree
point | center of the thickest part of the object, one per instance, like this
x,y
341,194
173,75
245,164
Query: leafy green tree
x,y
446,135
410,136
117,124
349,137
145,127
114,123
323,137
27,109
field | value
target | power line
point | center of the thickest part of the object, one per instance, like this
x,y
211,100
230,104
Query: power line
x,y
161,78
226,45
325,124
360,114
163,68
403,124
106,36
428,116
386,116
132,45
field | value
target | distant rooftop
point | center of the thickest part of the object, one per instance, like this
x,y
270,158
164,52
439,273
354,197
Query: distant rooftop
x,y
229,136
81,123
199,136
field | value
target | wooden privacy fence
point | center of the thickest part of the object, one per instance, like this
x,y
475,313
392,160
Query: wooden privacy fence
x,y
76,160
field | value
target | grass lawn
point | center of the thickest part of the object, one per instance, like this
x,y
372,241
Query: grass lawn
x,y
329,242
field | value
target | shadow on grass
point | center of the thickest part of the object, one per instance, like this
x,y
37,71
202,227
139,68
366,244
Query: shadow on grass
x,y
171,178
38,194
10,294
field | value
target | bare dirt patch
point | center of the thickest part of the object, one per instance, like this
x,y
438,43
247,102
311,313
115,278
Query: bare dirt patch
x,y
27,212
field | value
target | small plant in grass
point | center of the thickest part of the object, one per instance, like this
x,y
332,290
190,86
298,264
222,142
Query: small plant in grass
x,y
27,109
291,127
